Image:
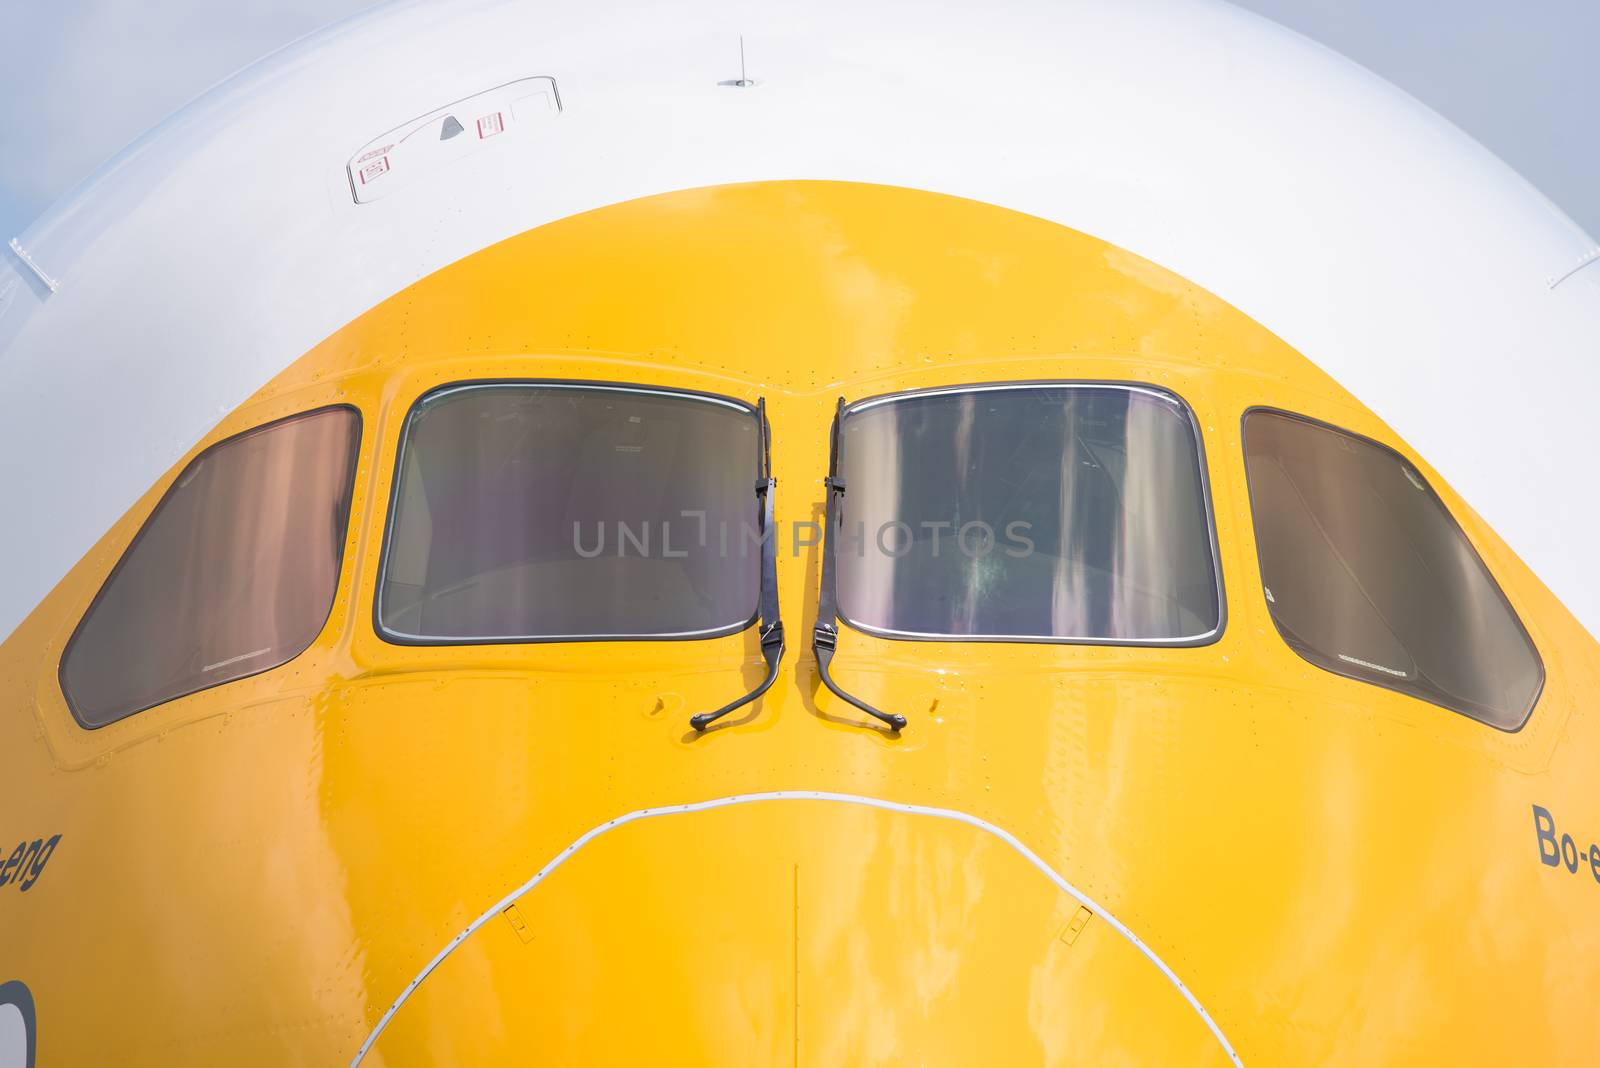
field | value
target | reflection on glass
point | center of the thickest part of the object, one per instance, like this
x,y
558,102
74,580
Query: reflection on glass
x,y
234,572
541,511
1367,575
1060,512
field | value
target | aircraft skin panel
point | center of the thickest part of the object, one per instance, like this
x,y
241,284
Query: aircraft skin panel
x,y
1378,240
984,962
1339,873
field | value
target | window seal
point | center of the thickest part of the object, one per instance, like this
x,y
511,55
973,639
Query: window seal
x,y
149,520
1494,581
390,637
1203,470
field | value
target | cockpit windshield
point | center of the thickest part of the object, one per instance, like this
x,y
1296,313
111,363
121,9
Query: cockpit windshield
x,y
1367,575
233,574
531,511
1027,512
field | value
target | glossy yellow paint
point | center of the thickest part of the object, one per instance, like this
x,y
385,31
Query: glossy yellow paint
x,y
761,956
1340,874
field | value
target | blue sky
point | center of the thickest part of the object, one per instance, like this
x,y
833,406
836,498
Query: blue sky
x,y
83,79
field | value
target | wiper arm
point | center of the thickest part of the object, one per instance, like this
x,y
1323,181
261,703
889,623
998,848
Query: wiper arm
x,y
825,638
772,644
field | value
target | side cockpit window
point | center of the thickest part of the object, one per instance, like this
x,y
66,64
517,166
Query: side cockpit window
x,y
1035,512
234,573
548,511
1367,575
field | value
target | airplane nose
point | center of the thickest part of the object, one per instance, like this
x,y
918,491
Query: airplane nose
x,y
798,929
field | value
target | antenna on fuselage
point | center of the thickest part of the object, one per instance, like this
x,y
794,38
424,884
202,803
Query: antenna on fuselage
x,y
743,81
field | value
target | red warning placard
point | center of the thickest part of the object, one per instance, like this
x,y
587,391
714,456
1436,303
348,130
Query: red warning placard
x,y
373,169
426,145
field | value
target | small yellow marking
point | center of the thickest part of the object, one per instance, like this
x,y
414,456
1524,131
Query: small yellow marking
x,y
514,917
1080,920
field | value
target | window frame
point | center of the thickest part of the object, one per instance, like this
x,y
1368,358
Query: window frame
x,y
144,527
1455,524
1202,470
463,385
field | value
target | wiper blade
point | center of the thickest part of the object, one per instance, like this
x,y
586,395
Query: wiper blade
x,y
825,637
772,643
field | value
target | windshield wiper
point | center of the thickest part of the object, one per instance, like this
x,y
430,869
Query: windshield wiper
x,y
772,645
825,637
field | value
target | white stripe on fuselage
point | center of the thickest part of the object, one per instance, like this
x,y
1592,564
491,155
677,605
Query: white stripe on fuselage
x,y
801,795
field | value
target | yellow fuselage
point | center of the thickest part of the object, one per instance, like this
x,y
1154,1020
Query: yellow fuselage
x,y
1338,873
